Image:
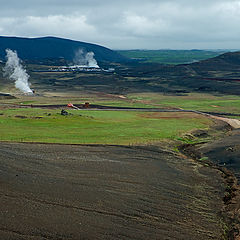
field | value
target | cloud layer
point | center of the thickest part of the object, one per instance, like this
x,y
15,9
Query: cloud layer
x,y
152,24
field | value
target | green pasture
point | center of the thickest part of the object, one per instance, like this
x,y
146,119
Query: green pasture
x,y
94,127
192,101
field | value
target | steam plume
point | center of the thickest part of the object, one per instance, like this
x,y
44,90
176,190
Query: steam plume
x,y
15,71
85,59
91,60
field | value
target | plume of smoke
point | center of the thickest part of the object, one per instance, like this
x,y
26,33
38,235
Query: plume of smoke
x,y
91,60
79,58
85,59
15,71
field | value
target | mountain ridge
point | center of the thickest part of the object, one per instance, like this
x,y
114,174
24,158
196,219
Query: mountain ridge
x,y
54,48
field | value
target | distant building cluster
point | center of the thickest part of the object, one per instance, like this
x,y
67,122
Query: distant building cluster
x,y
80,68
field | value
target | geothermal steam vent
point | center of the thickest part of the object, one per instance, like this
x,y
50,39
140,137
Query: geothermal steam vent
x,y
85,59
15,71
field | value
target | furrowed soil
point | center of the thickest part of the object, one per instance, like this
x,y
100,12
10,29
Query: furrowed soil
x,y
63,192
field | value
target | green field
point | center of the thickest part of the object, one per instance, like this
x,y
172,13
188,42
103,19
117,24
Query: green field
x,y
170,56
95,127
192,101
109,127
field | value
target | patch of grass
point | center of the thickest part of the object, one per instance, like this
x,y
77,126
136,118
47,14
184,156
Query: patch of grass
x,y
192,101
93,127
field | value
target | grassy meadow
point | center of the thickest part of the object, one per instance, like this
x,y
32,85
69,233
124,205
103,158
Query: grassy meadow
x,y
191,101
109,127
95,127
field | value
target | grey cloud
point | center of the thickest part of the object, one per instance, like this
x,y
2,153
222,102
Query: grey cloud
x,y
128,24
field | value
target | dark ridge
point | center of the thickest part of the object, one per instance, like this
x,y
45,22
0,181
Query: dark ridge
x,y
55,48
226,61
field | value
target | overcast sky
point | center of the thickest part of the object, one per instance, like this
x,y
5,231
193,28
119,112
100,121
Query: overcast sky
x,y
127,24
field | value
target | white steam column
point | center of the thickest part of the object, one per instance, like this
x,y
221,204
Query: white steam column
x,y
85,59
91,61
15,71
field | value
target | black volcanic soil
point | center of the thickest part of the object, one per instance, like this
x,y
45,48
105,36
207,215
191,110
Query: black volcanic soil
x,y
225,152
106,192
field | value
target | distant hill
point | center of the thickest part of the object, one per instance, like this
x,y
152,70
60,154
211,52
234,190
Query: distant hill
x,y
226,62
219,74
55,48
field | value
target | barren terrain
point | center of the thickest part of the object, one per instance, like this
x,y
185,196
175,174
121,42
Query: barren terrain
x,y
106,192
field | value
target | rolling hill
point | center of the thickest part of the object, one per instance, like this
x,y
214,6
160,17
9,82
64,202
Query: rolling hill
x,y
225,62
55,48
219,74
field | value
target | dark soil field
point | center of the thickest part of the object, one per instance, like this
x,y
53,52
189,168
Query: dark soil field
x,y
223,154
226,152
68,192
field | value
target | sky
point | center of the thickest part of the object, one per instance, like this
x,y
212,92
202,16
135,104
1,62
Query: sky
x,y
127,24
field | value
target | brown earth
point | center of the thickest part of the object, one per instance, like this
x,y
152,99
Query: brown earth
x,y
106,192
234,123
170,115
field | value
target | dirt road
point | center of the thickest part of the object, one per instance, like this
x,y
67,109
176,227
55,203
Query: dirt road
x,y
66,192
234,123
